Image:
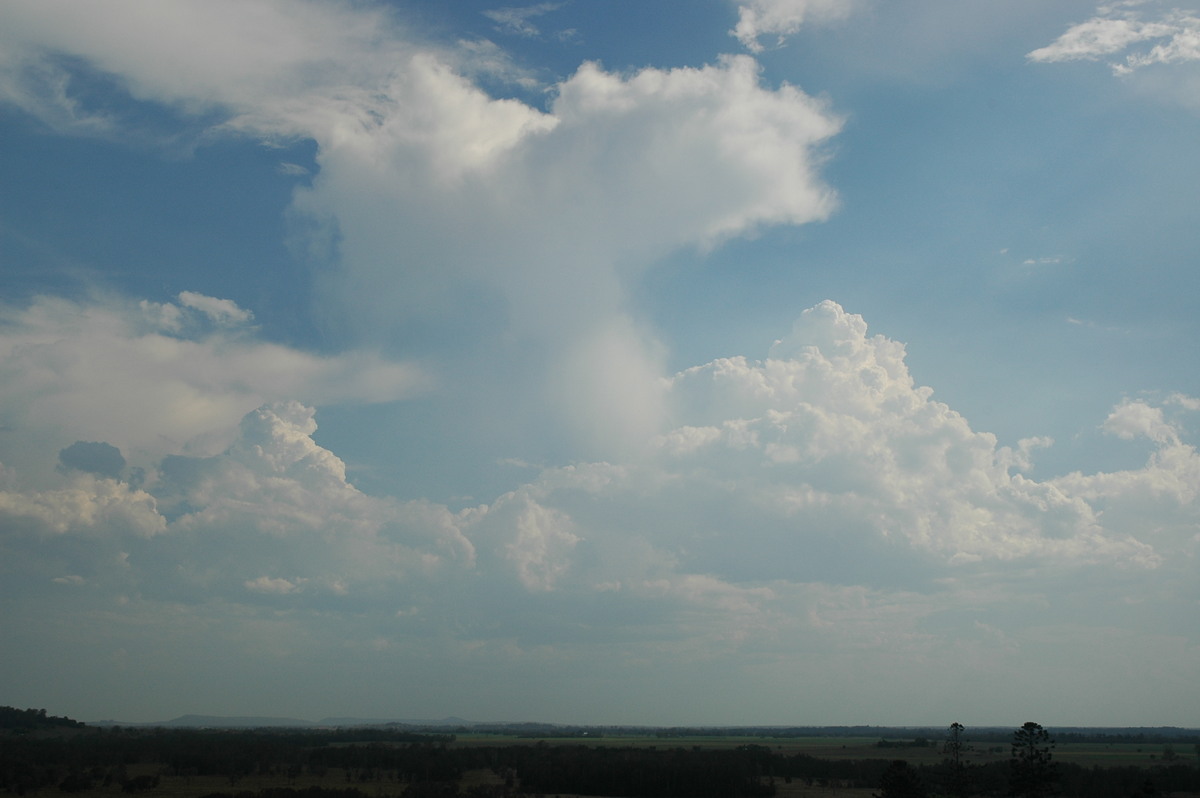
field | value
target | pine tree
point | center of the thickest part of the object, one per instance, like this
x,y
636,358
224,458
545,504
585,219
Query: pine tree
x,y
1031,771
955,747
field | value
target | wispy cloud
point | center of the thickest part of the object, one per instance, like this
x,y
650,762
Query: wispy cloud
x,y
517,20
1173,36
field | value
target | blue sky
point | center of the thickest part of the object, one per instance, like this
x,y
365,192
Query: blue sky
x,y
762,362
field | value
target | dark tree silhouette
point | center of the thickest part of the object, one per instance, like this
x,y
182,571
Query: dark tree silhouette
x,y
955,747
1031,771
900,781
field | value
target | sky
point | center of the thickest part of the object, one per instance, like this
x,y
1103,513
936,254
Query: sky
x,y
720,362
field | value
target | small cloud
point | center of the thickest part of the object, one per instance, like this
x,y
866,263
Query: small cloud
x,y
1095,325
274,587
1184,401
292,169
223,312
73,579
1135,419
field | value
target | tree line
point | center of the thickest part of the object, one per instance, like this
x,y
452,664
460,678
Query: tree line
x,y
413,765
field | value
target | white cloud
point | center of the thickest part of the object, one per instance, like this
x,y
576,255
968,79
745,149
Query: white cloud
x,y
153,378
542,546
224,312
87,505
831,432
198,54
824,463
271,515
1117,28
1098,37
782,18
411,153
1133,419
670,158
1184,401
816,505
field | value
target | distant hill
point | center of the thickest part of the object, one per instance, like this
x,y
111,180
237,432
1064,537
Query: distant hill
x,y
444,722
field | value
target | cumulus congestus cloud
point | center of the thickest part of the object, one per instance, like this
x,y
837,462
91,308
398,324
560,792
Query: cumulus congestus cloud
x,y
817,468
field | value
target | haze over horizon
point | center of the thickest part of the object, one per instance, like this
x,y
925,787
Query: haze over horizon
x,y
737,362
193,720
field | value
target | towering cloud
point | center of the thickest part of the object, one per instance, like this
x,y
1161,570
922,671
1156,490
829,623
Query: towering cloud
x,y
412,154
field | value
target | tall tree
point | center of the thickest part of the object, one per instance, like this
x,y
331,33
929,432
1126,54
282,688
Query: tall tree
x,y
1031,771
955,747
